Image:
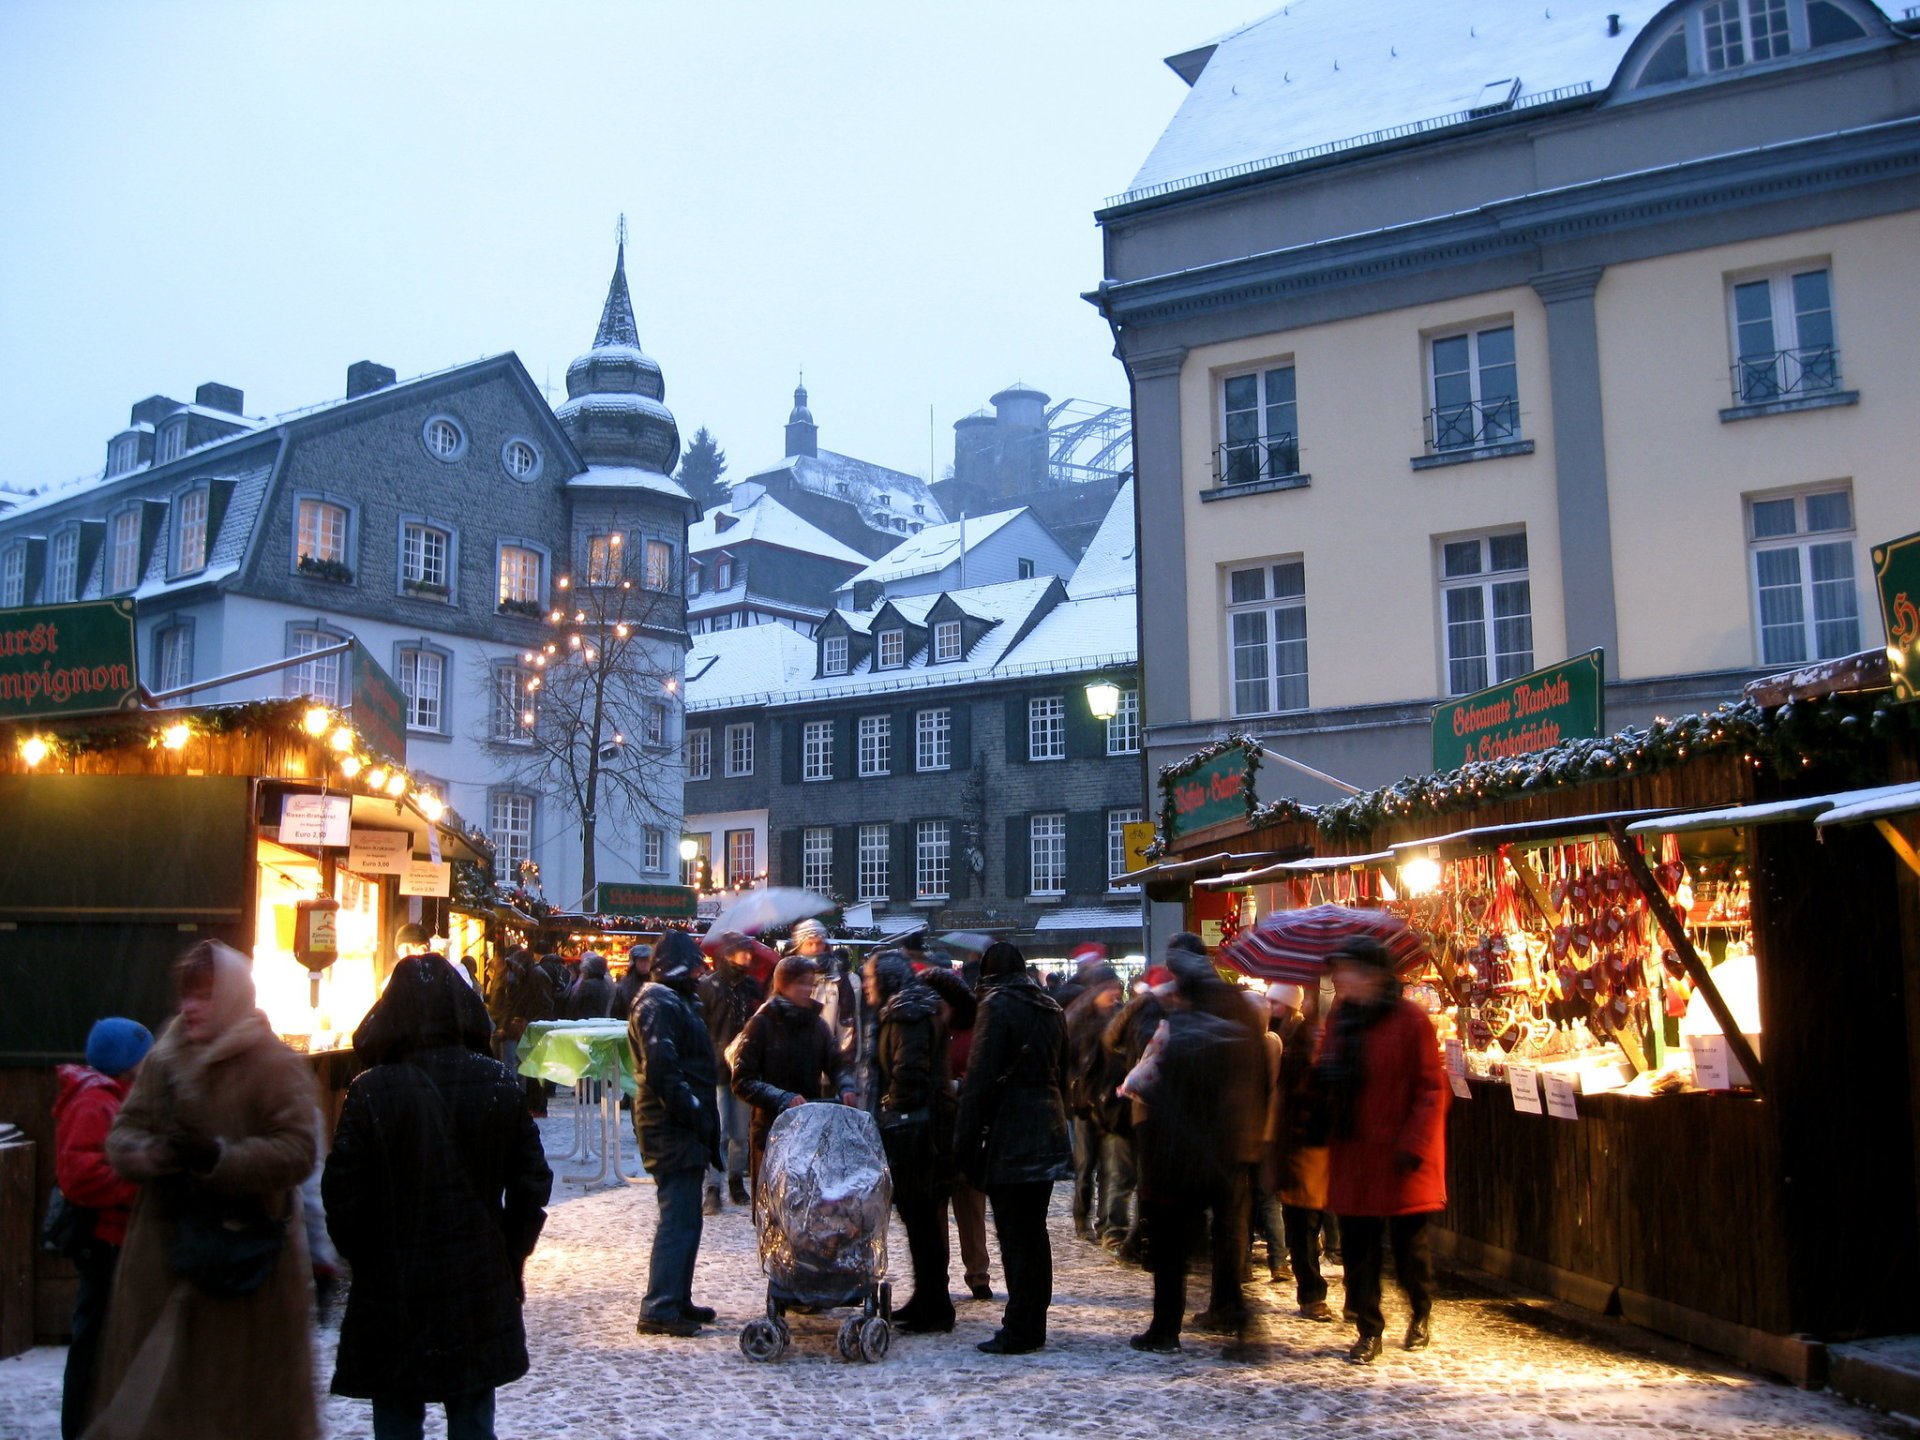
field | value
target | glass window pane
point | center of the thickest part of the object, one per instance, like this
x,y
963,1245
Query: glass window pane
x,y
1242,392
1507,552
1496,347
1778,567
1832,511
1289,580
1246,585
1753,317
1771,518
1450,356
1462,557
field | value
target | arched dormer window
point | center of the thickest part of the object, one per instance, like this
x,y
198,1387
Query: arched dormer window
x,y
1722,36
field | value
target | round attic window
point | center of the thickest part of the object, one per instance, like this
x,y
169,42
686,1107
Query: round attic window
x,y
520,459
445,440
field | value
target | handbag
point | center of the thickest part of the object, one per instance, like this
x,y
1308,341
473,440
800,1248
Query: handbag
x,y
67,1230
227,1246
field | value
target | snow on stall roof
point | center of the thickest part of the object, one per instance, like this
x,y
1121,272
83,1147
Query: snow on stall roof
x,y
934,548
766,521
1111,564
1090,917
1321,75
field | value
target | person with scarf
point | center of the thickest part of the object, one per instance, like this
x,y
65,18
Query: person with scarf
x,y
435,1192
1386,1096
1012,1135
218,1126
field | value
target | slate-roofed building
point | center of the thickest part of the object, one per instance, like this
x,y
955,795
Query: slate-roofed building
x,y
1007,545
752,561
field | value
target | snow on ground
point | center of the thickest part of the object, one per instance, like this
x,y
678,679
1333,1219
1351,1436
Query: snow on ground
x,y
1497,1367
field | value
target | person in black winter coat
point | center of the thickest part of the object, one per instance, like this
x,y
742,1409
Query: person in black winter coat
x,y
787,1055
592,994
520,996
1012,1134
914,1104
627,989
730,995
679,1132
1103,1165
435,1192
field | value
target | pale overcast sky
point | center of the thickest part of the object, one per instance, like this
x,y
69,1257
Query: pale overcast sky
x,y
897,196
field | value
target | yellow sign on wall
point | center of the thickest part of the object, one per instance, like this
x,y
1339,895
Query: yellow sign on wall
x,y
1138,835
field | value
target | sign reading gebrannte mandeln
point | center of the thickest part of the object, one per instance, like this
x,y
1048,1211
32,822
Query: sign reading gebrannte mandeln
x,y
1519,716
68,660
668,902
1896,568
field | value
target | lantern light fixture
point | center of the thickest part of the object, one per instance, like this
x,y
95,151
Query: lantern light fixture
x,y
1103,699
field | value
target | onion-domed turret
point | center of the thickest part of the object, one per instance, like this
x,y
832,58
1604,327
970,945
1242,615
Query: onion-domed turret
x,y
615,412
803,436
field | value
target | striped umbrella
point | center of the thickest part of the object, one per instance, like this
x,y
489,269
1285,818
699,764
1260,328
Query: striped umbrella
x,y
1293,945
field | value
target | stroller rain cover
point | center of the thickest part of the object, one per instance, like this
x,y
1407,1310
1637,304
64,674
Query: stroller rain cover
x,y
824,1196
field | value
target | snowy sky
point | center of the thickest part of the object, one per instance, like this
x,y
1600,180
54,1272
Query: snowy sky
x,y
897,196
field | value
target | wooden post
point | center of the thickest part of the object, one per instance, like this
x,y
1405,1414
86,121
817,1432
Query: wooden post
x,y
1676,934
17,1244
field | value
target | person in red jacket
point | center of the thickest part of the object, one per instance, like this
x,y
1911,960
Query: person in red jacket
x,y
90,1096
1386,1104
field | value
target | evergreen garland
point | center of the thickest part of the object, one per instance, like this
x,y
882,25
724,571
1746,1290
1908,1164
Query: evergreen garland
x,y
1171,775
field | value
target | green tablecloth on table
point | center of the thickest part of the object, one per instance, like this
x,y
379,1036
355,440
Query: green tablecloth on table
x,y
568,1051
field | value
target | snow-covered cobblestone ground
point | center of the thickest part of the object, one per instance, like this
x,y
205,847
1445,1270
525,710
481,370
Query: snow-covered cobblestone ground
x,y
1497,1367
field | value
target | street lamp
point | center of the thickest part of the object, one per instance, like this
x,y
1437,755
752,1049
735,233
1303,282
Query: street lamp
x,y
1103,699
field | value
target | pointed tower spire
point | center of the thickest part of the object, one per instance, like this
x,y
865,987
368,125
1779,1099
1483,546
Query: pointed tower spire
x,y
615,411
803,436
616,319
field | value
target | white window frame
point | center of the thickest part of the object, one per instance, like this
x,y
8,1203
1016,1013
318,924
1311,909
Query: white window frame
x,y
603,567
933,739
190,511
1280,687
323,679
697,747
1805,542
426,555
63,567
1047,854
173,656
653,723
1117,822
1493,421
123,455
875,749
874,860
947,639
1047,727
508,702
519,570
1792,367
511,815
656,565
1266,450
444,437
833,655
123,552
517,447
1500,666
816,859
890,649
816,750
172,442
425,688
932,860
1123,729
653,849
314,530
743,858
739,752
13,576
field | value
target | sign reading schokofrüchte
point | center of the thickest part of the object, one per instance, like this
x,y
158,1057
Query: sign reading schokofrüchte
x,y
668,902
1896,568
1214,792
68,660
1517,717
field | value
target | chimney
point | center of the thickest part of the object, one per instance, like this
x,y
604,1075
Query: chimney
x,y
1613,24
215,396
152,410
364,377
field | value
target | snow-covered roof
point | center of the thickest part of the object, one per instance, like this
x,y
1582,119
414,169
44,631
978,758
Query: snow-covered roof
x,y
934,548
1090,917
874,489
1321,75
765,521
732,665
627,477
1111,564
1101,630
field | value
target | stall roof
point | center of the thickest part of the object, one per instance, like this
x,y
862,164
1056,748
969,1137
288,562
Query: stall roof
x,y
1859,806
1284,868
1772,812
1179,869
1090,917
1528,830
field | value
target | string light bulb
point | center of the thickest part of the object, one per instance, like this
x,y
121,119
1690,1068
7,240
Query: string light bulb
x,y
377,777
175,736
350,766
33,749
396,785
315,721
342,740
431,806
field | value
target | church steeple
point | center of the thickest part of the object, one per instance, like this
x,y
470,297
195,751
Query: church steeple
x,y
615,412
803,436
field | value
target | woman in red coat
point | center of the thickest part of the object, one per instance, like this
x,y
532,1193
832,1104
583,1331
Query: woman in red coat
x,y
1386,1097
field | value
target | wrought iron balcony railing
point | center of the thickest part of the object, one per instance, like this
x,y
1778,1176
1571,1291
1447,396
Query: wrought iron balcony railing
x,y
1275,458
1473,424
1786,374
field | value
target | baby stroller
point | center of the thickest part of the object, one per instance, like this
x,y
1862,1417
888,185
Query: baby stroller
x,y
822,1215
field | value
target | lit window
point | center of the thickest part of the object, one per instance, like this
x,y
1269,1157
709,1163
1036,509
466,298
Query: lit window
x,y
653,848
874,862
816,858
816,750
1806,598
1117,822
124,570
876,744
693,871
1487,606
1047,854
603,560
512,835
190,531
654,723
932,858
833,655
63,574
1259,426
658,567
423,557
322,533
444,439
1476,392
13,577
946,640
933,739
1783,336
1047,728
740,749
893,649
521,460
511,716
1123,730
422,679
1267,633
320,678
698,747
519,576
742,861
176,657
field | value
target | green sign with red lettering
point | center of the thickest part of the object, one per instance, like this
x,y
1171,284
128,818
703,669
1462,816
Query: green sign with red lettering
x,y
666,902
1214,792
1517,717
68,660
379,709
1896,568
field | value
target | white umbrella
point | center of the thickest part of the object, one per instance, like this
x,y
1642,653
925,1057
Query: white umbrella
x,y
759,910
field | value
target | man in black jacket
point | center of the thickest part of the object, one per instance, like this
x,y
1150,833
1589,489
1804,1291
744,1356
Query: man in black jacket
x,y
730,995
675,1121
787,1056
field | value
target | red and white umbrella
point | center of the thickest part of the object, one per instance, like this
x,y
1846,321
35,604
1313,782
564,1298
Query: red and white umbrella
x,y
1293,945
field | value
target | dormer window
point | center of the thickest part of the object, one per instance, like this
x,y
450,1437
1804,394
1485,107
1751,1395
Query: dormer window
x,y
723,572
123,454
190,532
1726,35
946,640
173,442
883,501
693,577
833,655
892,650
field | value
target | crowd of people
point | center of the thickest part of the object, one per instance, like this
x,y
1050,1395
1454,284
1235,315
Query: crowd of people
x,y
1183,1110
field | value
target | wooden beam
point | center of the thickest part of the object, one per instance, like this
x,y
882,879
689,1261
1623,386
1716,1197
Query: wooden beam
x,y
1901,846
1676,934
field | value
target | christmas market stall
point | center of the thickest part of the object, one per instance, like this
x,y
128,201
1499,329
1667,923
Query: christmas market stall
x,y
1676,974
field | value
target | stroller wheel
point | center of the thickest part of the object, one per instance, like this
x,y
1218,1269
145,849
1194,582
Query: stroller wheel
x,y
762,1340
876,1337
849,1338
